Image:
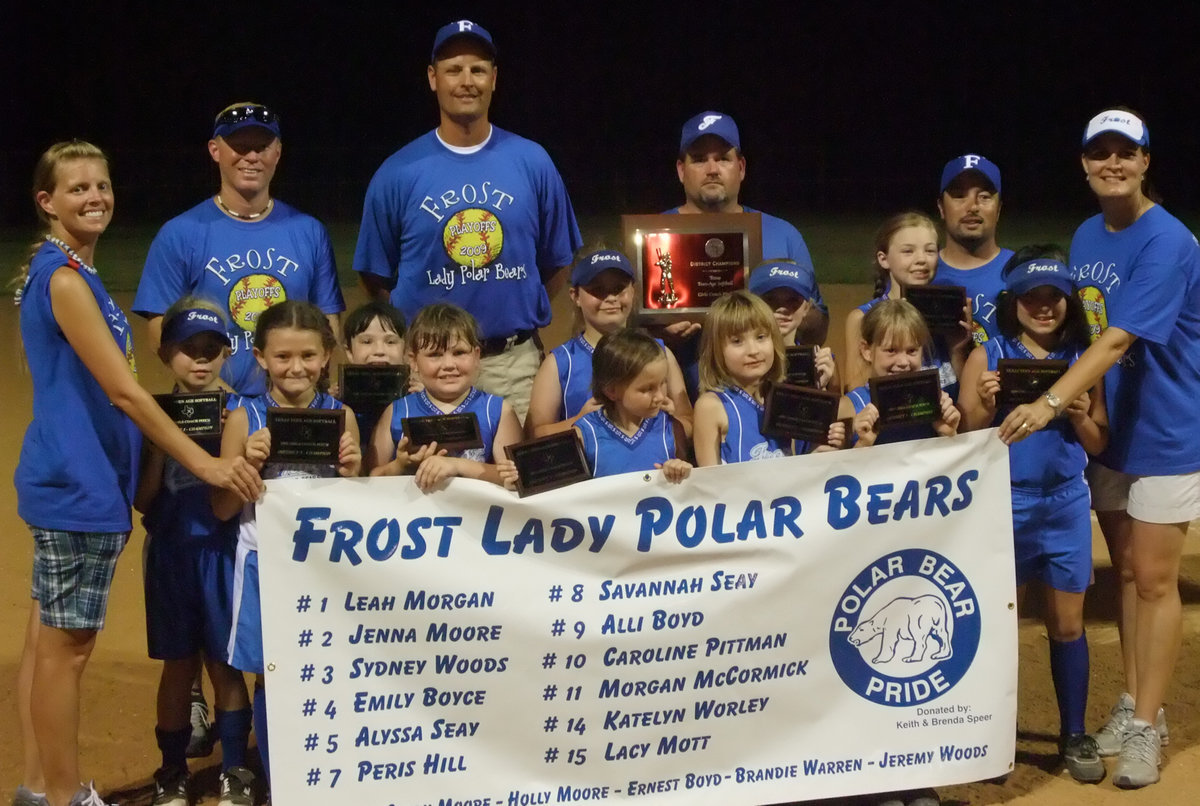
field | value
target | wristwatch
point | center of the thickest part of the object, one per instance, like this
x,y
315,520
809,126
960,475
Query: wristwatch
x,y
1054,403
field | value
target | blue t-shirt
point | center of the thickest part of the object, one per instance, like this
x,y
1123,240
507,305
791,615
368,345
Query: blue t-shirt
x,y
1049,457
610,451
486,408
861,396
1145,280
79,460
483,230
244,267
573,359
983,284
744,441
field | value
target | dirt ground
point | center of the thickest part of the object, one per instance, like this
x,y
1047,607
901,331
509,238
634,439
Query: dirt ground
x,y
117,739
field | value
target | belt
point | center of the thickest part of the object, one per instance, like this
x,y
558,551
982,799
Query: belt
x,y
498,344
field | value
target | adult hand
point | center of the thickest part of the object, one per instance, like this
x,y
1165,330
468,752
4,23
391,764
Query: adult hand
x,y
234,474
1024,420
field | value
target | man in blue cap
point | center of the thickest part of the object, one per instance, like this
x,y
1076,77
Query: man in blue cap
x,y
969,202
471,214
241,249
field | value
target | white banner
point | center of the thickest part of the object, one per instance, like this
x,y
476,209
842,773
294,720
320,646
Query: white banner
x,y
796,628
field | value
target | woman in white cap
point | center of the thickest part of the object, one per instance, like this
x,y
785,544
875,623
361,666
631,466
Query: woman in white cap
x,y
1138,271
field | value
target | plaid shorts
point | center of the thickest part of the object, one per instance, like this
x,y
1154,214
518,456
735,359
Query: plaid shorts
x,y
72,573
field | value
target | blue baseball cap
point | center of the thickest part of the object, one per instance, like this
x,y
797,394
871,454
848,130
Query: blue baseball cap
x,y
1120,122
783,274
242,114
715,123
1031,274
970,162
191,322
464,28
588,267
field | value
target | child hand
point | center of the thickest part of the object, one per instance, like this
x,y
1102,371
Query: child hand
x,y
963,339
421,454
335,391
591,405
947,426
349,456
988,388
668,405
825,367
434,470
414,383
835,438
1077,410
864,426
675,470
508,473
257,448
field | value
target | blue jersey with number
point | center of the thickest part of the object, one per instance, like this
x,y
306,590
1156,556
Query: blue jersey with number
x,y
744,441
79,460
983,285
1051,456
483,230
610,451
243,267
486,408
1145,280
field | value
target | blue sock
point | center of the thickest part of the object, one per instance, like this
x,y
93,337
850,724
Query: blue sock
x,y
1069,668
233,729
260,730
173,744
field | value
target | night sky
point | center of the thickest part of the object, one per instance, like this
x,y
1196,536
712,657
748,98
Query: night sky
x,y
844,107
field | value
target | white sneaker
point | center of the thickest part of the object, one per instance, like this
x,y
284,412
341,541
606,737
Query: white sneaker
x,y
87,795
1110,737
1140,758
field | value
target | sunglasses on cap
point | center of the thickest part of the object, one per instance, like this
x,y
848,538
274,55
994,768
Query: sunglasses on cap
x,y
240,113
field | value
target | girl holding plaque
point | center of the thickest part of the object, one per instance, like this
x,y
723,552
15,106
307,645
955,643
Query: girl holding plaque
x,y
602,291
78,468
188,569
895,341
1041,319
1138,271
292,343
741,350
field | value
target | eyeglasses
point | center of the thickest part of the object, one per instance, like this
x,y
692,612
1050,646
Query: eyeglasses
x,y
241,112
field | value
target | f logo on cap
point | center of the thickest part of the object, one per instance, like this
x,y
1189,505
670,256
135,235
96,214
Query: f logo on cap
x,y
708,121
970,161
465,25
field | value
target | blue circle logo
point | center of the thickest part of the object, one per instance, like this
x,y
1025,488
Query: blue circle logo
x,y
906,630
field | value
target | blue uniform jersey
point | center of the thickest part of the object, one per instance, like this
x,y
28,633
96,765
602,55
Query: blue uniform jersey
x,y
610,451
79,460
983,284
573,359
861,396
486,408
483,230
243,267
744,441
1145,280
1051,456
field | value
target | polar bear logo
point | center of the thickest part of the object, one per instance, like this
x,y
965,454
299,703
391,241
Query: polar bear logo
x,y
909,619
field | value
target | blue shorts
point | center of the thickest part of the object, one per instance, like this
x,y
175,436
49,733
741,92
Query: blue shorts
x,y
1052,531
189,597
245,647
72,574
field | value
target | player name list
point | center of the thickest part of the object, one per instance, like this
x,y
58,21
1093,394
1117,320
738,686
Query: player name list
x,y
533,689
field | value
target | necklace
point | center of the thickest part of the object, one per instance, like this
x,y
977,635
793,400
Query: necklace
x,y
244,216
72,254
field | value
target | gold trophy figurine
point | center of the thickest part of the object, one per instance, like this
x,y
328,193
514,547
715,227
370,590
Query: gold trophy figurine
x,y
666,296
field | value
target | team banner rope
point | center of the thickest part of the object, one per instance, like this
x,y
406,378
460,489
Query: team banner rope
x,y
796,628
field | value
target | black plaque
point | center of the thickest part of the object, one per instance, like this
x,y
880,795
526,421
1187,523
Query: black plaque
x,y
454,432
547,463
305,436
910,397
940,305
1024,380
198,414
802,365
371,389
800,412
683,263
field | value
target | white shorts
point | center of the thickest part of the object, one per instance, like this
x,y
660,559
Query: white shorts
x,y
1152,499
